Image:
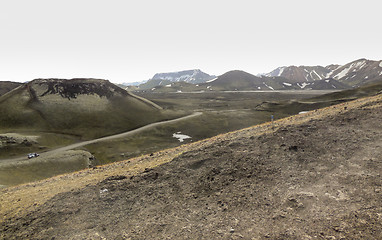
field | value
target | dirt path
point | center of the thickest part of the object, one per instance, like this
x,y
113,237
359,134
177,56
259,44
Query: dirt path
x,y
120,135
145,100
311,176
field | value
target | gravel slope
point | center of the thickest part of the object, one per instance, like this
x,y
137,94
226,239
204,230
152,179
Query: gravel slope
x,y
313,176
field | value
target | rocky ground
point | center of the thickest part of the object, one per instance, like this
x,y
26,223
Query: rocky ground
x,y
313,176
14,139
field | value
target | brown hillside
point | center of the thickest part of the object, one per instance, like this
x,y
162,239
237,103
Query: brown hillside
x,y
89,108
310,176
6,86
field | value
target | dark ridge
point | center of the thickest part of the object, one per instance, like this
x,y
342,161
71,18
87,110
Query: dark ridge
x,y
71,88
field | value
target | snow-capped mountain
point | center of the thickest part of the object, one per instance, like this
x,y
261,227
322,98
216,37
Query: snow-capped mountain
x,y
189,76
358,72
301,73
331,77
194,76
352,74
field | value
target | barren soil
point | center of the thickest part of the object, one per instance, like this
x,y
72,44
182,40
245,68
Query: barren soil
x,y
312,176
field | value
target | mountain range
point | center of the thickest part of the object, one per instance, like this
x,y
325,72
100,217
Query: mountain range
x,y
334,76
240,80
353,74
331,77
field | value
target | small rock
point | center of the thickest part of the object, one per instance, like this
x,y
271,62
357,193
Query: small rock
x,y
293,148
103,190
114,178
232,230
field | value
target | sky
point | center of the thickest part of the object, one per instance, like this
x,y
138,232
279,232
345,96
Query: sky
x,y
129,41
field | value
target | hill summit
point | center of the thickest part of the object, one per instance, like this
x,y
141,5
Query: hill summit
x,y
86,107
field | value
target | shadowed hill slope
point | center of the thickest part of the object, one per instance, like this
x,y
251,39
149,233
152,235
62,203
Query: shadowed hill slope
x,y
310,176
6,86
240,80
85,107
309,104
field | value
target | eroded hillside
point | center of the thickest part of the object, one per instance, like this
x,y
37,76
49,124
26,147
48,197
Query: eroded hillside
x,y
310,176
88,108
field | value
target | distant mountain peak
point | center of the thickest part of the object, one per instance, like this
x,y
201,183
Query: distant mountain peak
x,y
354,74
191,76
300,73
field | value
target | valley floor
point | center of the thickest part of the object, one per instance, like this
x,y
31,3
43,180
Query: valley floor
x,y
310,176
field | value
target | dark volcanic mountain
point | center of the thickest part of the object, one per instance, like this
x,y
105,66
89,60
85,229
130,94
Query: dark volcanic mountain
x,y
240,80
86,107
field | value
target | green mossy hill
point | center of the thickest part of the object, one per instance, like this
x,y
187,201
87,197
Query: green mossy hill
x,y
85,107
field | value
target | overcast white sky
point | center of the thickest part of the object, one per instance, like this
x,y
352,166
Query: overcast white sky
x,y
126,41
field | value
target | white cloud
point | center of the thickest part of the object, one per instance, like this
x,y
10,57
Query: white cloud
x,y
124,41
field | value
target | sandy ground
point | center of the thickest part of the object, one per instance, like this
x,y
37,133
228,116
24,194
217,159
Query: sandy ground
x,y
312,176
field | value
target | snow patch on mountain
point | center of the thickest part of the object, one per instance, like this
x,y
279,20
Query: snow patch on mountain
x,y
380,64
360,64
303,85
354,67
342,73
275,73
211,80
281,71
268,86
317,75
287,84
